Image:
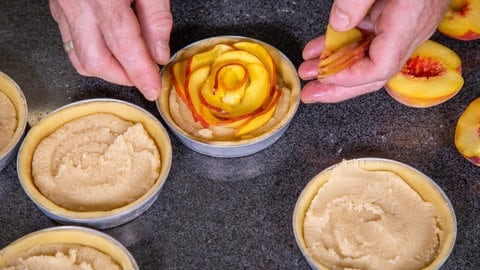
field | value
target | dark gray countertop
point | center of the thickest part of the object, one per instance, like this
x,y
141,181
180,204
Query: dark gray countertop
x,y
237,213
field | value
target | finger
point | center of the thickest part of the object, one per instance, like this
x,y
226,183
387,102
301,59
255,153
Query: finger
x,y
90,55
156,23
315,91
314,48
121,32
346,14
308,70
59,17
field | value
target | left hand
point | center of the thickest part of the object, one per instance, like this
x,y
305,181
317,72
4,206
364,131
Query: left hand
x,y
399,28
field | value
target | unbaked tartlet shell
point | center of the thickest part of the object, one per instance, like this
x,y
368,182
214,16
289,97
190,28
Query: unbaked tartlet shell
x,y
428,190
11,89
72,235
97,219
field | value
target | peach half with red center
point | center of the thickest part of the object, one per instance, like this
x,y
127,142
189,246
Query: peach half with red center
x,y
467,133
461,20
227,92
432,75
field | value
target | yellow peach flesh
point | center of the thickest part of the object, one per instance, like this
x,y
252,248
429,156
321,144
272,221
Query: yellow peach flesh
x,y
467,132
260,118
431,76
462,20
208,57
228,85
335,40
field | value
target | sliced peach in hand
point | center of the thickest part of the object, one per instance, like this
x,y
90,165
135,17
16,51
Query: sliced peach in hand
x,y
335,40
342,50
467,133
432,75
462,20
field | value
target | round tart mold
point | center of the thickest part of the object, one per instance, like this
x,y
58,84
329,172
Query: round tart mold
x,y
424,186
238,147
10,90
99,219
76,235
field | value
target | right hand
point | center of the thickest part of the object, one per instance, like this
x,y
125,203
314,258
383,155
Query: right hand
x,y
399,28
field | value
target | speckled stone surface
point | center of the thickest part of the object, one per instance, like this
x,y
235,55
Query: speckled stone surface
x,y
237,213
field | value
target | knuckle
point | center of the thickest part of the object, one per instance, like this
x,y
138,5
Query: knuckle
x,y
161,20
91,65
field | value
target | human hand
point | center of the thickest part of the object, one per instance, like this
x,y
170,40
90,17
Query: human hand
x,y
116,42
399,27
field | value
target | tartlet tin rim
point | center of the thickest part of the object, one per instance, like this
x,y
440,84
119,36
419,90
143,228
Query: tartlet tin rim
x,y
114,217
74,228
8,153
316,265
240,148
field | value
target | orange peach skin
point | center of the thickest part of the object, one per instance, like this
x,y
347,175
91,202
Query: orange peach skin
x,y
467,133
432,75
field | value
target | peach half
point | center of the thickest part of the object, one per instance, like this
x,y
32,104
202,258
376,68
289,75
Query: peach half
x,y
461,20
467,133
432,75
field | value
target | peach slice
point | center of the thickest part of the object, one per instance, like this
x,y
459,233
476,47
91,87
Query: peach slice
x,y
335,40
178,75
467,133
432,75
208,57
261,118
462,20
262,54
194,82
342,50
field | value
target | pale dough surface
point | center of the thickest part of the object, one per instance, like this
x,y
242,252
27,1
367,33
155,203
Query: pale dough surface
x,y
183,117
96,162
8,120
363,219
61,257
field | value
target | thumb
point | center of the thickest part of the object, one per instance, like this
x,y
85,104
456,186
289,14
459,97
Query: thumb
x,y
346,14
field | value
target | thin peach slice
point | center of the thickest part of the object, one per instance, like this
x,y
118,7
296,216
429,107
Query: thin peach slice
x,y
262,117
262,54
208,57
177,74
194,82
462,20
344,58
431,76
467,133
335,40
256,92
342,50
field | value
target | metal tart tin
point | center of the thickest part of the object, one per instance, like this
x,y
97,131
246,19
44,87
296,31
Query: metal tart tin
x,y
428,190
56,119
244,147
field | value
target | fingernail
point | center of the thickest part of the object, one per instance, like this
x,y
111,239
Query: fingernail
x,y
151,94
162,52
341,20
